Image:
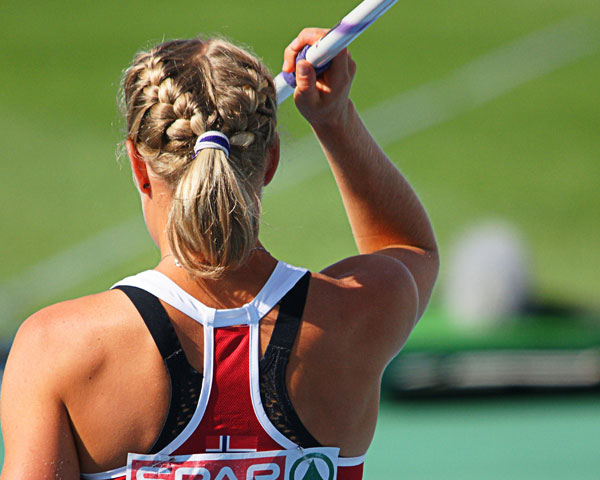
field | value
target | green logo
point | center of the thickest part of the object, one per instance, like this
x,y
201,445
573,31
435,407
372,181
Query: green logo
x,y
312,467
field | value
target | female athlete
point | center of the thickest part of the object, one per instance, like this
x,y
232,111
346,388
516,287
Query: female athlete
x,y
223,362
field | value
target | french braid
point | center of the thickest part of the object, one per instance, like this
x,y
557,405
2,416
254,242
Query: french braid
x,y
171,95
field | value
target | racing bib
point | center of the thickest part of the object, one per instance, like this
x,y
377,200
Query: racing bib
x,y
299,464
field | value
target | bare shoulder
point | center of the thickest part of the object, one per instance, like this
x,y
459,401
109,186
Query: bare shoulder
x,y
54,354
63,323
71,336
368,282
371,300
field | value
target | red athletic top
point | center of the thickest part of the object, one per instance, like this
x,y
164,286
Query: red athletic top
x,y
229,436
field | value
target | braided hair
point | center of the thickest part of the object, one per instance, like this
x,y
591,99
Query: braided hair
x,y
174,93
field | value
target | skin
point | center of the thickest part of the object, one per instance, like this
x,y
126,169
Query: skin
x,y
73,399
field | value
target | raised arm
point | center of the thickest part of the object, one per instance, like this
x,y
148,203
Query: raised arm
x,y
385,214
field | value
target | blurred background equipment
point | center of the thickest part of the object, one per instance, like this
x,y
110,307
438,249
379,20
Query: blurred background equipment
x,y
492,110
488,275
490,335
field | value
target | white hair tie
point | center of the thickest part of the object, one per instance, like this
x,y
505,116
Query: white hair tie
x,y
212,139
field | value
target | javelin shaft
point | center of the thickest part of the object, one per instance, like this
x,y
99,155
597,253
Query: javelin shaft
x,y
338,38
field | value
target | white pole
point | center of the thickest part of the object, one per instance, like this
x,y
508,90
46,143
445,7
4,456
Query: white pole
x,y
338,38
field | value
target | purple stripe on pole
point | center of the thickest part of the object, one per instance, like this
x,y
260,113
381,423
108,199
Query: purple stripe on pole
x,y
352,28
290,78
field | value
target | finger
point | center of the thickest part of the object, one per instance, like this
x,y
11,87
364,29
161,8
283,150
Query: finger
x,y
308,36
338,71
306,90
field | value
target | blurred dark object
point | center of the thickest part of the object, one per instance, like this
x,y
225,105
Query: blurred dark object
x,y
547,348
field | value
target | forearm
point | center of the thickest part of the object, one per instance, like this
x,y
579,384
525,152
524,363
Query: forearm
x,y
382,207
385,214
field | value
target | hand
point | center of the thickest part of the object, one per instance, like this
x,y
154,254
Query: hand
x,y
322,101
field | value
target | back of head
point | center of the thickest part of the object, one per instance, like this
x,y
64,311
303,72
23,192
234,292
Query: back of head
x,y
173,94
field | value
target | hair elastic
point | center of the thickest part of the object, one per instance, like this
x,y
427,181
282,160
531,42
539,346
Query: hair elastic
x,y
212,139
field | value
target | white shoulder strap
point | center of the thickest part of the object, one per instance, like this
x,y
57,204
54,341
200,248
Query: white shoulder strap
x,y
281,281
283,278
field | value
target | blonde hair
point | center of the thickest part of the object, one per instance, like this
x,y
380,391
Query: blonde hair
x,y
171,95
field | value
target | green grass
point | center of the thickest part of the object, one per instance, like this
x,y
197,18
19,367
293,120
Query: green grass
x,y
530,156
441,333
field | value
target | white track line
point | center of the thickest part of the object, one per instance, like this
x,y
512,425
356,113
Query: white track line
x,y
408,113
67,269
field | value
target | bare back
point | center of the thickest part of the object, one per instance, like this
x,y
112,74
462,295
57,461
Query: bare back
x,y
116,390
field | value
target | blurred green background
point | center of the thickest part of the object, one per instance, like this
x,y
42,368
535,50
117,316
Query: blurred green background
x,y
491,109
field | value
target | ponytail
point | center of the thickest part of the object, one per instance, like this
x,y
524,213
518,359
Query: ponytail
x,y
214,218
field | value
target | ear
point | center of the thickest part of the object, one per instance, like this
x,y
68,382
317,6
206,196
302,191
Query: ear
x,y
272,160
138,167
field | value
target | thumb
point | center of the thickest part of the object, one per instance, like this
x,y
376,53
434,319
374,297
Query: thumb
x,y
306,78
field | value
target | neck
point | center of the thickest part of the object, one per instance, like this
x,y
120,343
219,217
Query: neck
x,y
232,289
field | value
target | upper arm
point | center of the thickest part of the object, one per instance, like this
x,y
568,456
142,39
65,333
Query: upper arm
x,y
35,424
404,265
422,266
385,298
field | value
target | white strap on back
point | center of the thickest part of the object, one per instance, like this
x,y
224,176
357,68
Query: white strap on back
x,y
283,278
